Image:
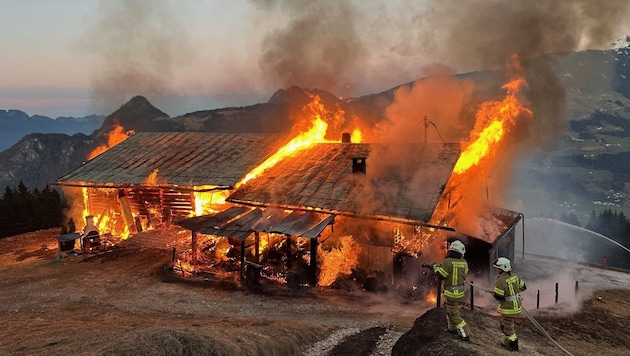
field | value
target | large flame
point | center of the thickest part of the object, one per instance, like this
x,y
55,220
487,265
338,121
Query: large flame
x,y
315,134
494,119
338,261
114,137
492,140
107,220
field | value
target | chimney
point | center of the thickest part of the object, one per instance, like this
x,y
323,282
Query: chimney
x,y
346,137
358,165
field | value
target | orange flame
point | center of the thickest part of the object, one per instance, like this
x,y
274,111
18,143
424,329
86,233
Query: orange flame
x,y
114,137
86,210
209,202
491,142
338,261
356,136
493,120
152,179
106,220
316,134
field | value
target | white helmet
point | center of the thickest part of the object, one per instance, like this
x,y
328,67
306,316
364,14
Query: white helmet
x,y
457,246
503,264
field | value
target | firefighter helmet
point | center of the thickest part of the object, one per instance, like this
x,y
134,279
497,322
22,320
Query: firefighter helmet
x,y
457,246
503,264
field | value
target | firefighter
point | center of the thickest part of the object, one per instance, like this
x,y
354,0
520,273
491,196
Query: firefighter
x,y
453,272
506,291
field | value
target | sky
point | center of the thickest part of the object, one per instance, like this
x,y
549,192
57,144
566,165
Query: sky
x,y
79,57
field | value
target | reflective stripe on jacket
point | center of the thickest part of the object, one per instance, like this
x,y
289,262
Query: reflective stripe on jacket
x,y
453,271
506,288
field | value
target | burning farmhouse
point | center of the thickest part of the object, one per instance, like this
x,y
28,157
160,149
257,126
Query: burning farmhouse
x,y
318,213
306,209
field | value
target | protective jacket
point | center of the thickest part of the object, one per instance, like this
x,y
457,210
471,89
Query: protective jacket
x,y
507,289
453,271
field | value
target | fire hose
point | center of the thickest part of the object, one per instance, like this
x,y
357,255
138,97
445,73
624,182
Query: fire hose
x,y
531,318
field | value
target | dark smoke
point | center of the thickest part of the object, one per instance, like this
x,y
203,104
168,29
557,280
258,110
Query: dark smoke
x,y
136,45
477,35
482,34
320,47
334,45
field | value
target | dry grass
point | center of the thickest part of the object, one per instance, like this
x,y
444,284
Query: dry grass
x,y
126,302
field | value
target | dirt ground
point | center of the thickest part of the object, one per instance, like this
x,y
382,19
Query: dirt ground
x,y
128,301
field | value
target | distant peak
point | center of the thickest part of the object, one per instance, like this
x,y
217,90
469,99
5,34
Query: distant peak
x,y
140,104
137,114
138,100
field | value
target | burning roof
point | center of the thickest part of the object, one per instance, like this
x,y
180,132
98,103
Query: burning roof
x,y
181,159
321,178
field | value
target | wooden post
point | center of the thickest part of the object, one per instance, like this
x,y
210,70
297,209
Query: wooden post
x,y
472,295
538,299
257,247
242,259
313,264
126,212
173,254
576,287
556,292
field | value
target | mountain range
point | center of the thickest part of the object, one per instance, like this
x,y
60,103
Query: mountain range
x,y
15,124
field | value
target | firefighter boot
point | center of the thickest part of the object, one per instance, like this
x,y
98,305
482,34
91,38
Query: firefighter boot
x,y
513,346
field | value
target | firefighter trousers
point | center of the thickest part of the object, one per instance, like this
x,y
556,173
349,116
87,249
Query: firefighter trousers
x,y
454,318
507,326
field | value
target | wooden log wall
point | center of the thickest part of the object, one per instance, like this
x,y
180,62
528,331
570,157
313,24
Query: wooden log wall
x,y
163,204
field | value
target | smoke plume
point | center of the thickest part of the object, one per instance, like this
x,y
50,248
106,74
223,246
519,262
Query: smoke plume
x,y
136,46
336,45
320,46
482,34
485,35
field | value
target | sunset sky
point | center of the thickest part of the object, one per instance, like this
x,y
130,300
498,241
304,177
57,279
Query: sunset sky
x,y
78,57
51,56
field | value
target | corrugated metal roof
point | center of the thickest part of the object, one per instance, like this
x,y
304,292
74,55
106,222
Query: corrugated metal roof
x,y
402,181
183,159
